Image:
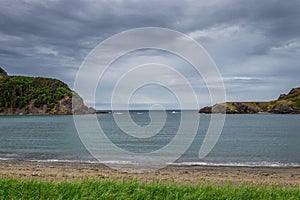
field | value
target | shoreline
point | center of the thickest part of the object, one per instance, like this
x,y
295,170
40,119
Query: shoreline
x,y
172,174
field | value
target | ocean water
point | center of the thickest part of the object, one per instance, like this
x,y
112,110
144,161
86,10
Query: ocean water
x,y
246,140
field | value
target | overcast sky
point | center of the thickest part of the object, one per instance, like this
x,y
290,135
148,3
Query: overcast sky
x,y
255,44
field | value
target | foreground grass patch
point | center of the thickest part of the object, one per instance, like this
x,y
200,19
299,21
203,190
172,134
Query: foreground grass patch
x,y
31,189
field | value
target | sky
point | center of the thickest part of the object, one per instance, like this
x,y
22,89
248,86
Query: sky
x,y
255,44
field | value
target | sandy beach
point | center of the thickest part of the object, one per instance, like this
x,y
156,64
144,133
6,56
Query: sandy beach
x,y
216,175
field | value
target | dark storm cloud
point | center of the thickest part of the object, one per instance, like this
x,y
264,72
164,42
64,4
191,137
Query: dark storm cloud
x,y
257,41
71,28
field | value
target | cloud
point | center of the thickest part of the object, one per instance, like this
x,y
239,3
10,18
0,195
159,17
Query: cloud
x,y
254,39
292,46
46,51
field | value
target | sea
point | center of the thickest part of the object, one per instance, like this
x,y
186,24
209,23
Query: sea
x,y
245,140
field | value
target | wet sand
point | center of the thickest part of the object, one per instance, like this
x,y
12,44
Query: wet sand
x,y
216,175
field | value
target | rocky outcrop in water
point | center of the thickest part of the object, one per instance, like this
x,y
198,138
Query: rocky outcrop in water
x,y
285,104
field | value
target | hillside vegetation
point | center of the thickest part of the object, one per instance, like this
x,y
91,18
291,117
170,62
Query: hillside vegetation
x,y
285,104
36,95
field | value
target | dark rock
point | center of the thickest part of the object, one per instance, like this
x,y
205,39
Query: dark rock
x,y
2,72
282,108
294,91
206,110
78,106
242,108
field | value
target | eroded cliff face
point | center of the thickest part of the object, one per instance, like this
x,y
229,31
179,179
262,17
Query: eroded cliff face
x,y
285,104
36,95
78,106
2,72
63,107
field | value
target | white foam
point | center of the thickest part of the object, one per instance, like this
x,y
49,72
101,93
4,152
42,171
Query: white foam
x,y
122,162
232,164
118,113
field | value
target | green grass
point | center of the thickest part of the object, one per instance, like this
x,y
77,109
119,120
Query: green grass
x,y
32,189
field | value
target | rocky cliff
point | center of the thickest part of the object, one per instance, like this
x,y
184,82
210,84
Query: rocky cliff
x,y
285,104
36,95
2,72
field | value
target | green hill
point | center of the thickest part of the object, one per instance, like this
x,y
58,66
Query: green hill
x,y
36,95
285,104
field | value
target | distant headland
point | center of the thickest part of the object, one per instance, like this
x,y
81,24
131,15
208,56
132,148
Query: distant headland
x,y
38,96
285,104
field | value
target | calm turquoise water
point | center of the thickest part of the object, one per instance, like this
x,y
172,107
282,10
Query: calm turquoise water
x,y
260,140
